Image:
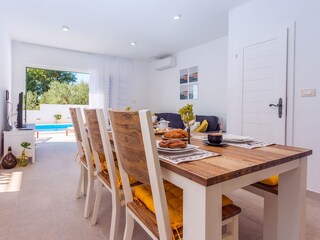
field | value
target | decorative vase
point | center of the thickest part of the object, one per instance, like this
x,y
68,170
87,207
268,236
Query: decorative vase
x,y
188,118
188,126
9,161
24,159
188,130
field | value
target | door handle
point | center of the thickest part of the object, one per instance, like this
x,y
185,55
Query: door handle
x,y
279,106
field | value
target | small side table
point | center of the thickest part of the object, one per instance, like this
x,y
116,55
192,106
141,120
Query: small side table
x,y
16,137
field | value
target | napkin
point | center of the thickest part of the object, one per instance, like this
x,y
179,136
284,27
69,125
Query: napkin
x,y
201,137
194,155
251,145
236,138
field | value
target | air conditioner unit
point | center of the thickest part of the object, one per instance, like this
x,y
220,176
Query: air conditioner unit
x,y
166,63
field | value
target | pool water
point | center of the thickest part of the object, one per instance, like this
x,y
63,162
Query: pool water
x,y
53,127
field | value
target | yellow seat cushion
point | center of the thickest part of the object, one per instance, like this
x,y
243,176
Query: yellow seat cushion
x,y
174,196
203,127
103,162
92,158
271,181
104,168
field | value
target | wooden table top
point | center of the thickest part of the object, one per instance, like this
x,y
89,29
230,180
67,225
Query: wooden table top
x,y
233,162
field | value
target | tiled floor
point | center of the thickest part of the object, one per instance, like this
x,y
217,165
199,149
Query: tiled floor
x,y
46,207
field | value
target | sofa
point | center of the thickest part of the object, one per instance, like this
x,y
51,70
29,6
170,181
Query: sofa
x,y
176,122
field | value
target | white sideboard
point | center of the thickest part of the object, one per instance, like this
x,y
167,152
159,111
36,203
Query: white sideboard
x,y
15,137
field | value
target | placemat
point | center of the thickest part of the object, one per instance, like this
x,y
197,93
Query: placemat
x,y
194,155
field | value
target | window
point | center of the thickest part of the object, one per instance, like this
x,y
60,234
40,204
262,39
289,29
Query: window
x,y
44,86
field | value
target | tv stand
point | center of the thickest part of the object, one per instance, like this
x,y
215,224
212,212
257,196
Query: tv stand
x,y
15,137
26,127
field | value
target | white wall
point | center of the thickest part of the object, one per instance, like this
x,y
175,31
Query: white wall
x,y
47,111
141,85
30,55
5,77
211,58
261,15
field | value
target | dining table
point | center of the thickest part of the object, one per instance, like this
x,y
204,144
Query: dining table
x,y
205,181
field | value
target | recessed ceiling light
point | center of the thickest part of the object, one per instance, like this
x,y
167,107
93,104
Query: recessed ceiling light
x,y
133,43
177,16
65,28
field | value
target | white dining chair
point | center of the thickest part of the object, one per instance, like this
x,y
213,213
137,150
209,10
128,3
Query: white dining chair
x,y
148,204
87,176
105,165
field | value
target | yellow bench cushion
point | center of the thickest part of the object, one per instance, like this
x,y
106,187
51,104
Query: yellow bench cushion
x,y
203,127
174,196
271,181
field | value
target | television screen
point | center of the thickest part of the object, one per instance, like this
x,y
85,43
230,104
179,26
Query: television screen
x,y
20,111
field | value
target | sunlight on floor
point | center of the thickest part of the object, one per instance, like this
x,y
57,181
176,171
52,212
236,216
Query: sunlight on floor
x,y
10,182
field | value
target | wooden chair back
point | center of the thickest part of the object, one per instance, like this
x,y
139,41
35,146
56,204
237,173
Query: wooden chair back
x,y
128,136
137,154
100,142
85,144
94,136
76,127
75,124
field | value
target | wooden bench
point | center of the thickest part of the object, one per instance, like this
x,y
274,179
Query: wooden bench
x,y
264,187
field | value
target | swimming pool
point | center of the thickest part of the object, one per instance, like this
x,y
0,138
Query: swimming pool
x,y
52,127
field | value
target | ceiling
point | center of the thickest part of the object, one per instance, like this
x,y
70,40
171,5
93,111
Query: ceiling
x,y
109,26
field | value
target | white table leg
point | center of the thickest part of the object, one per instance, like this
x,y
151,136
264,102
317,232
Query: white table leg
x,y
270,215
292,203
202,212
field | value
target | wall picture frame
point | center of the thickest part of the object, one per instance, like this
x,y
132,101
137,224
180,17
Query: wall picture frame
x,y
188,79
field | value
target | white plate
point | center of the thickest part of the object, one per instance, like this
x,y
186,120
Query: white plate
x,y
237,141
189,147
236,138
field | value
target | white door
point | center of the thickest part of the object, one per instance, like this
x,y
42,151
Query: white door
x,y
264,78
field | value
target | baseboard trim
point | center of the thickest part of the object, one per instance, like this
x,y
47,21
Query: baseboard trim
x,y
314,195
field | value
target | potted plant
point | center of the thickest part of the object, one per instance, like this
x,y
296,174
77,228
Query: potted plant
x,y
58,118
24,159
187,116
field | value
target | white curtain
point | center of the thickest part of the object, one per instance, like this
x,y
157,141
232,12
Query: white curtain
x,y
110,82
99,81
120,83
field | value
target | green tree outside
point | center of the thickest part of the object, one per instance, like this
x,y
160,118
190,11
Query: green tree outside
x,y
32,101
62,93
38,80
79,93
54,87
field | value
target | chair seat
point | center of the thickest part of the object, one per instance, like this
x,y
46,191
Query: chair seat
x,y
149,219
143,207
105,178
83,161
